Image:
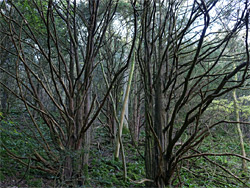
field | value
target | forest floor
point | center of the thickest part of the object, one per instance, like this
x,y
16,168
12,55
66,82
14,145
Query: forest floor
x,y
104,171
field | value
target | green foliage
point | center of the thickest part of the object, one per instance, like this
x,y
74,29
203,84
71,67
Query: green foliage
x,y
108,173
124,9
19,143
9,166
199,172
105,172
34,182
226,107
31,14
125,130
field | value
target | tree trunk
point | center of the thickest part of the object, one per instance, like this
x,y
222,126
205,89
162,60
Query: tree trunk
x,y
125,101
77,152
135,126
4,99
126,114
149,143
237,116
87,135
158,127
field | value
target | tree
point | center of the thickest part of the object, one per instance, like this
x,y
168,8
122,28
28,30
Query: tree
x,y
182,68
56,44
237,117
66,60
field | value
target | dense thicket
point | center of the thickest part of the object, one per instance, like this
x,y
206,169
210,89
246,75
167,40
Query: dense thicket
x,y
173,72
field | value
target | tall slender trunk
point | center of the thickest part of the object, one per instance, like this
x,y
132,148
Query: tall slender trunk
x,y
149,142
126,113
87,134
135,126
237,116
125,101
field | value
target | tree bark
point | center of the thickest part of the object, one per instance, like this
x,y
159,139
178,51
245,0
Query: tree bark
x,y
126,99
135,126
237,116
